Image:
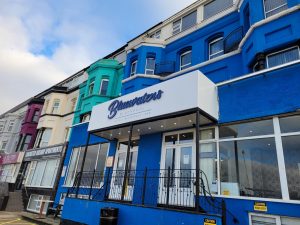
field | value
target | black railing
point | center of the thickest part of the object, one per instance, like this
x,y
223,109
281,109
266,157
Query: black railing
x,y
232,41
164,68
156,188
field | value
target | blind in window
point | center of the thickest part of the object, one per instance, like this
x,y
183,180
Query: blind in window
x,y
215,7
189,20
260,220
273,7
283,57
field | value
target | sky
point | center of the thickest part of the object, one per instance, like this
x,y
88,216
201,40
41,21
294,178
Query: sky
x,y
44,42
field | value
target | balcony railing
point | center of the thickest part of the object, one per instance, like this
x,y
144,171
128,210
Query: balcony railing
x,y
156,188
164,68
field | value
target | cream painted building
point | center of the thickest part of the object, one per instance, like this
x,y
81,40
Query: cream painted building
x,y
44,162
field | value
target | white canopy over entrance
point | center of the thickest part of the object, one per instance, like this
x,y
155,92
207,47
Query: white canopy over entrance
x,y
157,106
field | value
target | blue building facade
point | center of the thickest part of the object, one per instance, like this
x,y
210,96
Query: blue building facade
x,y
207,128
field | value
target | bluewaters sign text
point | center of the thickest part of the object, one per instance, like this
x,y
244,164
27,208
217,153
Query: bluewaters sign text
x,y
118,105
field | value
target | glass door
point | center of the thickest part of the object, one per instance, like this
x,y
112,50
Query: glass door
x,y
178,170
119,172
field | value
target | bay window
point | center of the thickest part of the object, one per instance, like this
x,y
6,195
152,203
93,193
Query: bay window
x,y
91,86
104,87
150,66
35,117
133,68
55,106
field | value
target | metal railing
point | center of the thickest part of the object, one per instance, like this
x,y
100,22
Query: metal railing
x,y
164,68
168,188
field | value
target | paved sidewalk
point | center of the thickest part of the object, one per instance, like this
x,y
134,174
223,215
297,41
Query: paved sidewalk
x,y
13,218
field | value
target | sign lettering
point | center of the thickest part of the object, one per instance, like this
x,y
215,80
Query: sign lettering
x,y
209,221
118,105
260,206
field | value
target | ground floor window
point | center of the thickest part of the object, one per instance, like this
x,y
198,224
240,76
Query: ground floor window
x,y
42,173
35,203
250,168
94,161
9,172
262,219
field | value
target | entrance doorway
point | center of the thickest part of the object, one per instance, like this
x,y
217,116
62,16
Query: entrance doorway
x,y
119,172
178,174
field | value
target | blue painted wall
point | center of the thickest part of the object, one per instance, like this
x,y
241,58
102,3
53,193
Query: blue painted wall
x,y
78,138
272,93
80,211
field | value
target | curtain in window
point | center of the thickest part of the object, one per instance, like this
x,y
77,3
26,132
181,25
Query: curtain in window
x,y
215,7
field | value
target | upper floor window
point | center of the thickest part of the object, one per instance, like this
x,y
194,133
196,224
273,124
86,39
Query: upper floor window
x,y
91,87
1,127
73,104
156,35
45,137
150,66
133,68
185,60
215,7
282,57
273,7
55,106
25,142
185,22
10,125
85,118
3,145
35,117
104,87
216,48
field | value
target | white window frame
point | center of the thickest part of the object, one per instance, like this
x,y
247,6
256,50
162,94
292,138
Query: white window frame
x,y
33,170
283,50
277,218
73,104
75,168
150,70
210,56
133,72
10,125
105,79
92,84
35,117
55,106
1,127
156,34
278,7
177,25
183,54
44,143
6,142
38,204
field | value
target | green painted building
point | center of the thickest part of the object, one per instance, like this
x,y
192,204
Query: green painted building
x,y
103,83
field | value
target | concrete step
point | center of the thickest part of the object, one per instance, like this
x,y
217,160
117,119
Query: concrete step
x,y
15,202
